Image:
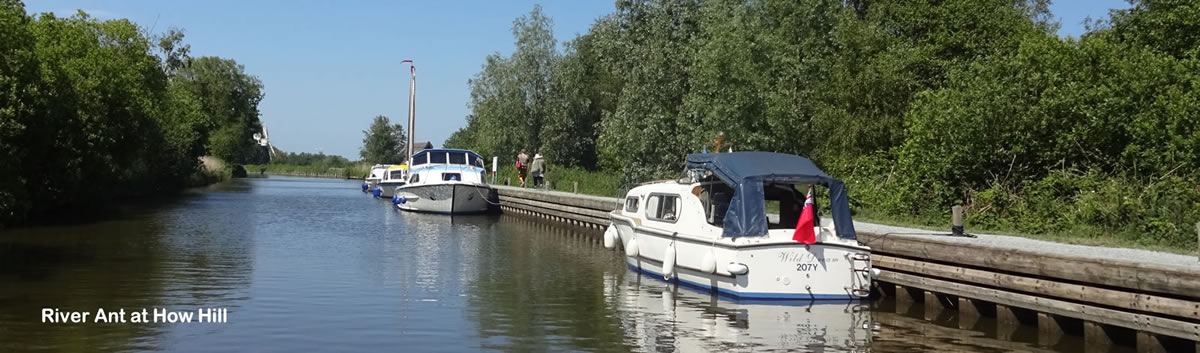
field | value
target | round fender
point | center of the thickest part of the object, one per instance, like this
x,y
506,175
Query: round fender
x,y
631,248
669,262
610,237
709,263
378,191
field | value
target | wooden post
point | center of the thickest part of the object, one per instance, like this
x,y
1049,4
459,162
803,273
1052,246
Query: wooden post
x,y
1006,322
1149,343
1095,338
1050,330
968,313
933,305
508,181
575,189
1198,244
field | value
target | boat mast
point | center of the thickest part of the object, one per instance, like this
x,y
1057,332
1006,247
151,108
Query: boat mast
x,y
412,108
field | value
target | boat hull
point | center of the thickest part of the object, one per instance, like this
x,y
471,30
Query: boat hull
x,y
784,271
450,198
388,189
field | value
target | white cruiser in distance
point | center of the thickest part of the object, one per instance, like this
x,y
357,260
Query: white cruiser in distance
x,y
393,177
448,181
711,230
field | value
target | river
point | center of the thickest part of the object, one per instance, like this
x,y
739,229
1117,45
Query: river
x,y
305,264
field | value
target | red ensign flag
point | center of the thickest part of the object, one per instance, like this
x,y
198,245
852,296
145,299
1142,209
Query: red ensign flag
x,y
804,227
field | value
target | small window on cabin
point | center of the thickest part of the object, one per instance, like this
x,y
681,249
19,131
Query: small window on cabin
x,y
458,158
437,158
396,174
414,179
663,208
631,204
451,177
373,176
420,158
478,162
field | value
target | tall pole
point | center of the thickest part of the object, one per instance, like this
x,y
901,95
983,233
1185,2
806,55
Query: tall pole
x,y
412,108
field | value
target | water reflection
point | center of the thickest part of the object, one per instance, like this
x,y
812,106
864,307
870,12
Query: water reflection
x,y
659,316
174,257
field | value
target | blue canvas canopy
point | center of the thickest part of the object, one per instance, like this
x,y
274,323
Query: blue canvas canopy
x,y
746,172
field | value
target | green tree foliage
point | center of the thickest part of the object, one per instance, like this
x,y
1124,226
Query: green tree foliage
x,y
90,113
918,105
384,142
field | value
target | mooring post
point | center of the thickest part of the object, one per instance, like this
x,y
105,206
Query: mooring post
x,y
956,226
508,181
575,188
1198,242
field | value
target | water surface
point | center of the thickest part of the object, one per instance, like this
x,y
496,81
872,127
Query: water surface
x,y
304,264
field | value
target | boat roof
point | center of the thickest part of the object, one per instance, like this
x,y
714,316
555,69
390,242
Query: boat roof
x,y
451,150
402,166
746,172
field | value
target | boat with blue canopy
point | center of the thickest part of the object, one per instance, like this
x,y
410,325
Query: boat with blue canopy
x,y
449,181
747,225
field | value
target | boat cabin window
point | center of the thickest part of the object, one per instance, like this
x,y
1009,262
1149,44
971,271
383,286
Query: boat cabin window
x,y
437,158
420,158
451,177
662,207
374,176
458,158
478,162
786,201
715,198
415,178
631,204
396,175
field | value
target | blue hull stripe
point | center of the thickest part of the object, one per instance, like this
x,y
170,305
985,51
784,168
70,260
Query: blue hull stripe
x,y
745,295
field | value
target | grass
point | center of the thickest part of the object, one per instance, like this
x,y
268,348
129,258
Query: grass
x,y
563,179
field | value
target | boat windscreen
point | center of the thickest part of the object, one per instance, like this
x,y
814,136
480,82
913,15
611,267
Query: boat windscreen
x,y
458,158
438,158
420,158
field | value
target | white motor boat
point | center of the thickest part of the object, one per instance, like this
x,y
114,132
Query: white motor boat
x,y
393,177
711,230
372,180
448,181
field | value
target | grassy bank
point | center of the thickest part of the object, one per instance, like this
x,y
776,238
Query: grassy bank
x,y
357,170
1070,224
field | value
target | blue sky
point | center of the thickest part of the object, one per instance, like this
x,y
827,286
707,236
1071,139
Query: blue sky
x,y
329,67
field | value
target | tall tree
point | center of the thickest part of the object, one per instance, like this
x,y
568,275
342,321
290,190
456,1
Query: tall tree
x,y
384,142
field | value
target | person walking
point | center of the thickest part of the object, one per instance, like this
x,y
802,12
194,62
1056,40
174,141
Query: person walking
x,y
522,166
538,169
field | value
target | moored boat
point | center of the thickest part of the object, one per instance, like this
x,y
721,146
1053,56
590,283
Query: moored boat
x,y
446,181
711,230
395,176
372,179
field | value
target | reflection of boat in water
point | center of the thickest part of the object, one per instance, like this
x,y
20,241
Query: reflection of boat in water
x,y
664,317
444,181
711,230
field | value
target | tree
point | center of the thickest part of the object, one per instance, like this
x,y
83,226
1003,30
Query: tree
x,y
383,142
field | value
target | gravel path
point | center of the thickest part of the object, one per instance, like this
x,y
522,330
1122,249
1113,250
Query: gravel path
x,y
1189,262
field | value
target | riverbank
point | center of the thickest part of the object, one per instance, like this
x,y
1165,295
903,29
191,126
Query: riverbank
x,y
357,170
608,184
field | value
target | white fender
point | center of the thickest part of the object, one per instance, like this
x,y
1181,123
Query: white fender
x,y
669,261
631,248
709,263
737,268
610,237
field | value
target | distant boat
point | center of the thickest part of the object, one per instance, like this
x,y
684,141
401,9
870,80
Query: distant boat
x,y
372,179
711,230
448,181
393,176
